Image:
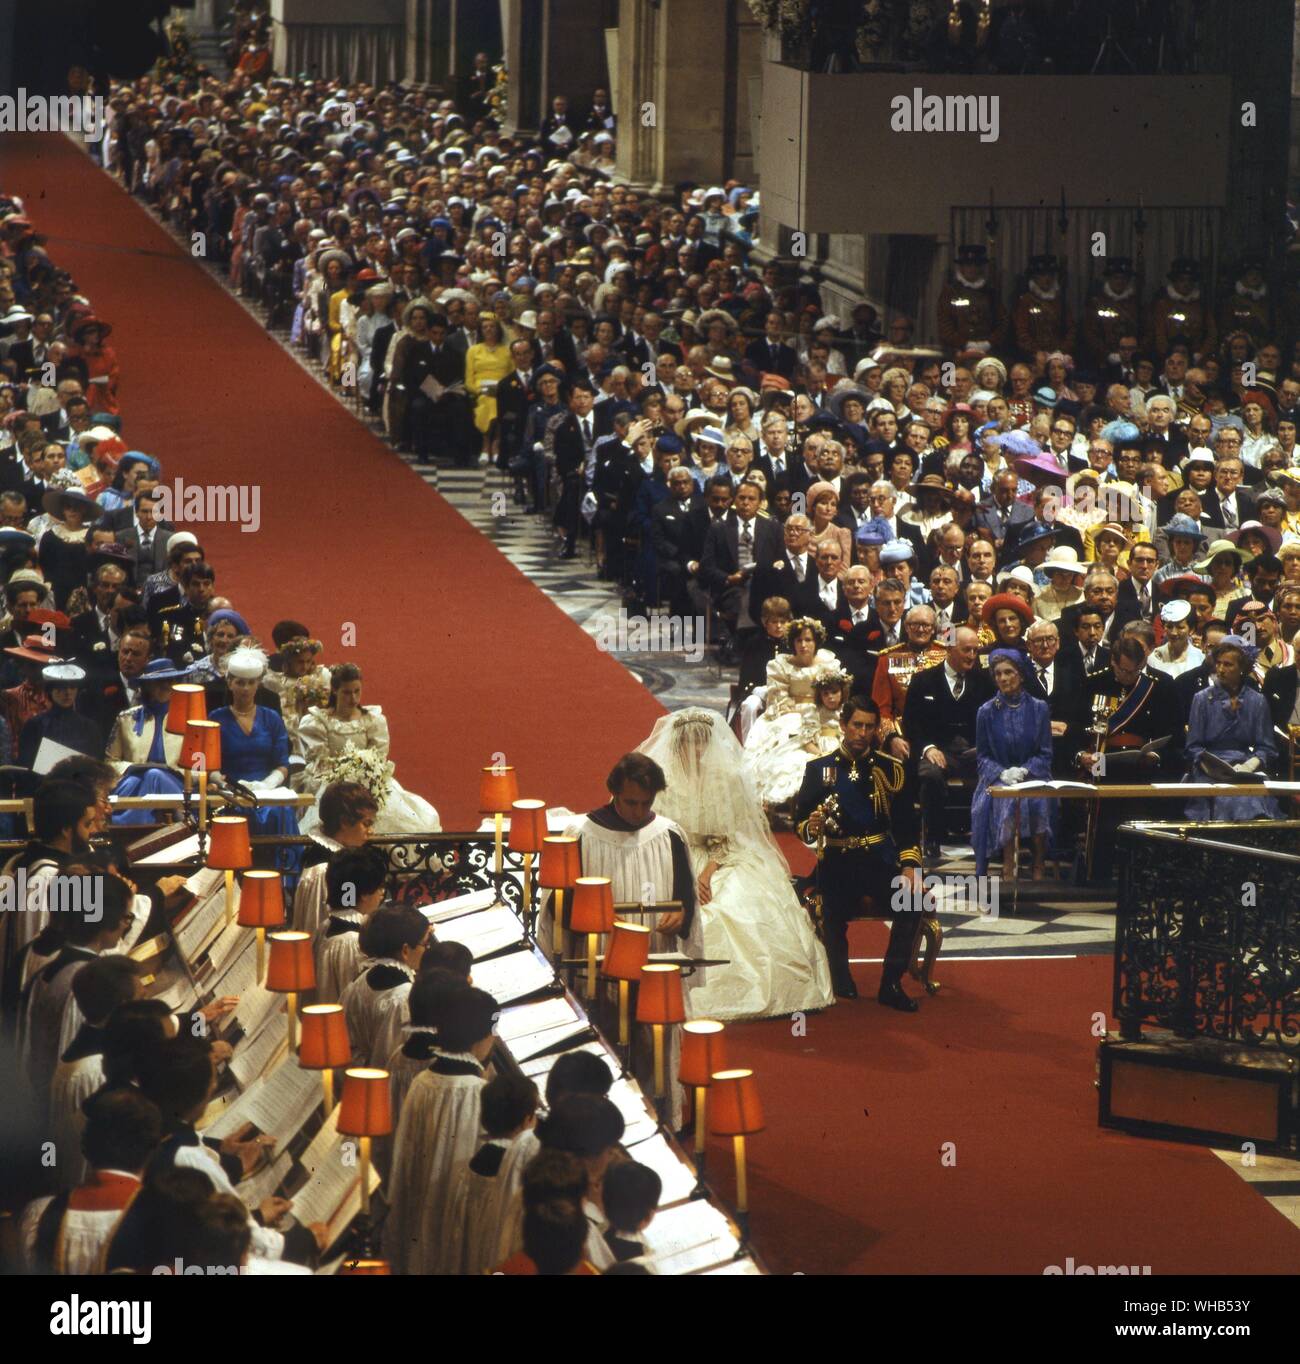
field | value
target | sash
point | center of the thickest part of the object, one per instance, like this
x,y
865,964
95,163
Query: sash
x,y
1129,709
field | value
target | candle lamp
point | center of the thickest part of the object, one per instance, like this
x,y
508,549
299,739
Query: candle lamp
x,y
560,867
261,906
188,702
593,914
659,1002
291,970
201,753
366,1112
737,1113
498,789
628,951
324,1045
527,830
230,851
703,1053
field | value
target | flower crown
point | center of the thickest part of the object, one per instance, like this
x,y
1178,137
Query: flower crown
x,y
830,677
801,623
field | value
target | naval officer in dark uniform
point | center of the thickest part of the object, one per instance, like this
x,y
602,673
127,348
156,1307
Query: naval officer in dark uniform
x,y
856,805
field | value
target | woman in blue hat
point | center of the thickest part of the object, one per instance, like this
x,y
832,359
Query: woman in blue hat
x,y
140,737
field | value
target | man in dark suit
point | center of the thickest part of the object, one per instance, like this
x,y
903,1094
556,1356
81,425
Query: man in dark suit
x,y
825,595
1280,691
1227,504
792,576
1101,592
677,534
939,725
115,687
1163,432
1056,676
948,602
998,512
138,528
734,549
857,637
768,354
552,342
574,441
514,397
439,423
1136,593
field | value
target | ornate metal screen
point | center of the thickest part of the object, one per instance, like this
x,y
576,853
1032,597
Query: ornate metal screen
x,y
1207,941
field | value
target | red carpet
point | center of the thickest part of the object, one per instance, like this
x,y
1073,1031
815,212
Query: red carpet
x,y
849,1177
466,657
469,660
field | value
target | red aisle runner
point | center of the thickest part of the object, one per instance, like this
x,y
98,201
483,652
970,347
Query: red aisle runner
x,y
469,659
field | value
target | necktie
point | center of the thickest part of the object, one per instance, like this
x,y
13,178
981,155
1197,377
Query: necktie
x,y
586,430
747,535
799,569
1229,515
1042,677
957,688
1144,599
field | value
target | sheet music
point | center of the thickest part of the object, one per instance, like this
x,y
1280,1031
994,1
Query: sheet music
x,y
540,1067
266,1181
184,850
277,1103
332,1193
256,1002
483,933
527,1021
514,976
176,990
691,1236
678,1177
742,1266
254,1054
202,923
49,754
558,818
457,905
626,1096
230,940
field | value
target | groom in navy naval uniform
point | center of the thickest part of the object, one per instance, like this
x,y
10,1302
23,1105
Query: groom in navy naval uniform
x,y
856,805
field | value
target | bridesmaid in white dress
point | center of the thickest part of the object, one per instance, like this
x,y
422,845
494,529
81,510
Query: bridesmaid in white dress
x,y
749,913
774,749
325,735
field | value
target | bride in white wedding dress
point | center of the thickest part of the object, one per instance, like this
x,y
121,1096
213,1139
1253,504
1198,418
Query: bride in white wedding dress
x,y
750,915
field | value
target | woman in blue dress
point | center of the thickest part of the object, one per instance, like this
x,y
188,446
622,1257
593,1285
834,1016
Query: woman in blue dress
x,y
1230,721
255,752
1013,742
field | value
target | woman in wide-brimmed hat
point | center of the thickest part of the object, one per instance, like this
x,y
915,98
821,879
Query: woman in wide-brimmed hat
x,y
1223,563
140,737
88,334
62,550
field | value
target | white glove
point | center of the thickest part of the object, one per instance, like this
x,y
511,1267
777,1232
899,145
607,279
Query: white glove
x,y
1250,765
1012,775
267,783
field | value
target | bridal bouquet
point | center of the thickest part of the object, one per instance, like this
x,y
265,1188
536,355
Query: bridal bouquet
x,y
360,765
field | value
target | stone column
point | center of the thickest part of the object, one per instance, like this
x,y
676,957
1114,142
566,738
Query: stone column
x,y
674,58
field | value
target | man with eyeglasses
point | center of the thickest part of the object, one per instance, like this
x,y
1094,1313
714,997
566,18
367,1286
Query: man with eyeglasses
x,y
1060,441
1137,591
1227,503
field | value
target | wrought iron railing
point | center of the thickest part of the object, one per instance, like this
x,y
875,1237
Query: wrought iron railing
x,y
1207,935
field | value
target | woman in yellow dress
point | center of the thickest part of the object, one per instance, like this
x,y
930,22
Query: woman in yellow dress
x,y
486,364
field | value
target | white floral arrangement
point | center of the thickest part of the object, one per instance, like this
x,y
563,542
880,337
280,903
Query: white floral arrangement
x,y
362,765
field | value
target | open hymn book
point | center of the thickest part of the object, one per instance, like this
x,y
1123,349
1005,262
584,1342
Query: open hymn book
x,y
331,1192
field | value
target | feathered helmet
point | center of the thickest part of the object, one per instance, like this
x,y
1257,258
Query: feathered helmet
x,y
799,625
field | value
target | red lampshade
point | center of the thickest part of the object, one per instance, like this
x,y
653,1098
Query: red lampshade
x,y
292,968
593,905
188,702
734,1109
498,789
703,1052
261,900
202,739
228,845
366,1109
659,1000
527,825
629,947
561,863
323,1041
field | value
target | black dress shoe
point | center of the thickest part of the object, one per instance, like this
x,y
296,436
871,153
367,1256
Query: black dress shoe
x,y
895,998
845,989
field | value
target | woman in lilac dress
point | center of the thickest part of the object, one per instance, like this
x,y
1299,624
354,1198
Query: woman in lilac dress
x,y
1013,742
